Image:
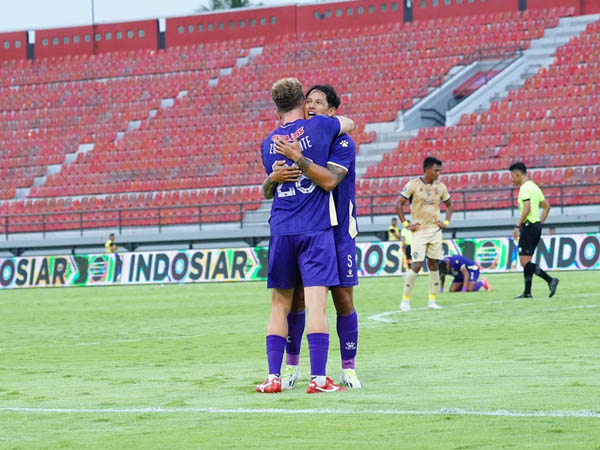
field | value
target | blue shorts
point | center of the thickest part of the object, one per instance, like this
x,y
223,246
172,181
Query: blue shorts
x,y
308,259
473,277
346,261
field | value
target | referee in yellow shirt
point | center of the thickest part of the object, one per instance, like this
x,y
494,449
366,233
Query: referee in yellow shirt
x,y
528,230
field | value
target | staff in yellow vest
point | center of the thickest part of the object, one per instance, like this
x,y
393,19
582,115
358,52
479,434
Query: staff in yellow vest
x,y
406,239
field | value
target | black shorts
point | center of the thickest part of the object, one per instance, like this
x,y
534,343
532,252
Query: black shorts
x,y
407,252
529,237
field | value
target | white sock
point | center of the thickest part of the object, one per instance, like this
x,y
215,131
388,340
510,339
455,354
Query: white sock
x,y
320,379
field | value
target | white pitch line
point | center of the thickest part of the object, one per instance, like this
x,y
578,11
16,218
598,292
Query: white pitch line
x,y
399,412
382,317
566,308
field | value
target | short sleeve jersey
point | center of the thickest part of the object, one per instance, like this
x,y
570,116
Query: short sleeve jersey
x,y
302,207
343,154
458,261
531,191
425,201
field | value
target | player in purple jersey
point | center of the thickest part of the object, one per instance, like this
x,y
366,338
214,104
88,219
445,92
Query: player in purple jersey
x,y
465,272
323,100
301,247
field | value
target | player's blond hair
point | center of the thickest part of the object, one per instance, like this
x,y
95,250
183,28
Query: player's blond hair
x,y
287,94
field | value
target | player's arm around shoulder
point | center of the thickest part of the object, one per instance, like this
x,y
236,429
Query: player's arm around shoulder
x,y
325,178
341,157
281,173
346,124
338,172
268,188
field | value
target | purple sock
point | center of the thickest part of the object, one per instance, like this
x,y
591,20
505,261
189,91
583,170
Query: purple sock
x,y
347,329
318,346
275,348
296,321
478,286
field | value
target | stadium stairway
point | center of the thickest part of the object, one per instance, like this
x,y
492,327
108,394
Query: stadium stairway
x,y
173,158
540,55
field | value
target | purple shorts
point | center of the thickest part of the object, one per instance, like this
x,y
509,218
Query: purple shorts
x,y
346,261
473,277
308,259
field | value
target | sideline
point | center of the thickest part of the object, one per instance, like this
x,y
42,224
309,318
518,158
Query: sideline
x,y
398,412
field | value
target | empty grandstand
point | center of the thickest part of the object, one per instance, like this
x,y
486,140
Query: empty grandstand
x,y
127,127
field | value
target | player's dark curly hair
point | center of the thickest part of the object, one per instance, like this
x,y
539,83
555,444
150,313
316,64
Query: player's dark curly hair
x,y
333,99
431,161
518,166
287,94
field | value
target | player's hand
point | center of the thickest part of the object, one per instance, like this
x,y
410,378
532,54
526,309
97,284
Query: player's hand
x,y
414,226
290,150
442,225
283,173
516,234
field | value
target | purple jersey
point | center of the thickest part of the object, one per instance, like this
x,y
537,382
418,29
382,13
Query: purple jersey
x,y
302,207
343,154
457,261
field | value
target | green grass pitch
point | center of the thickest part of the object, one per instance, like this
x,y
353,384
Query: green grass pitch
x,y
176,367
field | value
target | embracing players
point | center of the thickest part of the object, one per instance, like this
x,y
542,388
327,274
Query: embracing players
x,y
301,246
340,178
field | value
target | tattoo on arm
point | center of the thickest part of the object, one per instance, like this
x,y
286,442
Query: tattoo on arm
x,y
304,163
338,172
268,188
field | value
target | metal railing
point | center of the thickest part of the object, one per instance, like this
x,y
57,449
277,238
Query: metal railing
x,y
156,216
465,201
373,205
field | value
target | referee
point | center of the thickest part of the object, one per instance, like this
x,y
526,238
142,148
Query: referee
x,y
528,229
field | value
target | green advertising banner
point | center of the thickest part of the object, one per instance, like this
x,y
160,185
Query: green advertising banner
x,y
563,252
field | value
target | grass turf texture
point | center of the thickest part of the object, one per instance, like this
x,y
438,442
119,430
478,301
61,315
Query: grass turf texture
x,y
187,348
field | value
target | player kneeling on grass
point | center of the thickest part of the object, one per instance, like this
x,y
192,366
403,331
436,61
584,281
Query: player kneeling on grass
x,y
465,272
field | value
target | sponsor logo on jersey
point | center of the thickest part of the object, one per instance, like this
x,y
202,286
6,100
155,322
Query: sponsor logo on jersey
x,y
296,134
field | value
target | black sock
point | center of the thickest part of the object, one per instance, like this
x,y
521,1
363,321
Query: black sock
x,y
528,272
540,272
